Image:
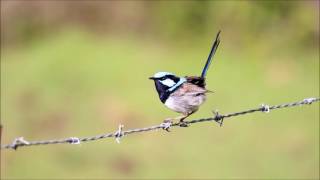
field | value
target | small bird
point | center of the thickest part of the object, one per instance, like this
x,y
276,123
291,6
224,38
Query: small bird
x,y
184,94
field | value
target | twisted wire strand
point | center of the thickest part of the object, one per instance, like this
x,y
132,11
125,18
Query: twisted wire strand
x,y
20,142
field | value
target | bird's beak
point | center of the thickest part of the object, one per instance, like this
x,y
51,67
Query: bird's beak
x,y
152,78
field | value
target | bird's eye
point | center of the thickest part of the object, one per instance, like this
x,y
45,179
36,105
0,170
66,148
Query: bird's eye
x,y
163,78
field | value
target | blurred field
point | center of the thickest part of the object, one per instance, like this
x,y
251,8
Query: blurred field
x,y
74,81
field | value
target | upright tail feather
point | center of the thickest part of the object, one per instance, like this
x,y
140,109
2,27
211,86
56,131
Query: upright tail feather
x,y
212,52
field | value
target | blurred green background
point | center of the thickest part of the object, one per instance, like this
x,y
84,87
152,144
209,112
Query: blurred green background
x,y
81,68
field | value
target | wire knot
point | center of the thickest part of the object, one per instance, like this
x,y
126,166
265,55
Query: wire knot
x,y
20,141
166,125
309,100
218,118
119,134
265,108
74,140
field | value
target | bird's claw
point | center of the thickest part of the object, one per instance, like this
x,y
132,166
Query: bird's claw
x,y
183,124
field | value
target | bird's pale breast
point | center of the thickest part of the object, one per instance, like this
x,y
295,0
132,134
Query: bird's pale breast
x,y
186,99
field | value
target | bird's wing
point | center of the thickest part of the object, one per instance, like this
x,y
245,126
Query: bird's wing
x,y
190,89
196,80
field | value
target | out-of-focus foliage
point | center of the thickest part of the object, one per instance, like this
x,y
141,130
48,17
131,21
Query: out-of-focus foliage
x,y
245,21
81,68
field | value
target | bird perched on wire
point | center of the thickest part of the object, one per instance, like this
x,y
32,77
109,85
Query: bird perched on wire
x,y
184,94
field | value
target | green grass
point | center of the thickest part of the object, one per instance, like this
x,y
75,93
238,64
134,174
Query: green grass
x,y
75,84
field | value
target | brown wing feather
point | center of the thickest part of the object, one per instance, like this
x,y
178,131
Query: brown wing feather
x,y
189,88
196,80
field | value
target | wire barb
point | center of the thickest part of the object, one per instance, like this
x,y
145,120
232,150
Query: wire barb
x,y
119,134
166,125
19,141
265,108
218,118
74,140
309,100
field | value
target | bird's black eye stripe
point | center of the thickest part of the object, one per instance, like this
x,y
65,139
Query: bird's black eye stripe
x,y
171,77
174,78
161,78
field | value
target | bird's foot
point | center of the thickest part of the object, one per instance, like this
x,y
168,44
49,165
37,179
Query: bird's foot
x,y
183,124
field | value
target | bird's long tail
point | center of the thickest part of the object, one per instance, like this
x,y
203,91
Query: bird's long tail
x,y
212,52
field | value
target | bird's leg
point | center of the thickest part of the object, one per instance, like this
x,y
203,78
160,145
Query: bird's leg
x,y
182,118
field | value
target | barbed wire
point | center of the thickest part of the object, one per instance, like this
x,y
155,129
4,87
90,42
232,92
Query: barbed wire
x,y
166,125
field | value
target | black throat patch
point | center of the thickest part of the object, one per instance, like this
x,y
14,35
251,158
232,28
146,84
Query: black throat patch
x,y
162,91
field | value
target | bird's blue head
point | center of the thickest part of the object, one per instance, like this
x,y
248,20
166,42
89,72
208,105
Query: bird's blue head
x,y
166,83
